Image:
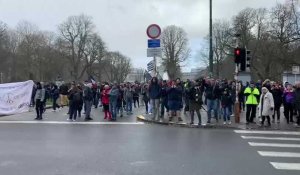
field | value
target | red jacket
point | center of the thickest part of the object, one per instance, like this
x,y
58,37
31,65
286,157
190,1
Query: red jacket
x,y
105,96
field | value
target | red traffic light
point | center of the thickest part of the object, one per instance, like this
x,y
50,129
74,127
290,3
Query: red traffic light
x,y
237,52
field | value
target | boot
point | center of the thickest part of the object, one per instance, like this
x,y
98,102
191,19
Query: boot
x,y
105,113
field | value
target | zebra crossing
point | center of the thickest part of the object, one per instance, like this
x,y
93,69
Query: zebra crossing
x,y
281,147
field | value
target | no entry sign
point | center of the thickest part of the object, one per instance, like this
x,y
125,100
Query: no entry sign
x,y
153,31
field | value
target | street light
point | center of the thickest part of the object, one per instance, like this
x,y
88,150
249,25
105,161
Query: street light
x,y
211,69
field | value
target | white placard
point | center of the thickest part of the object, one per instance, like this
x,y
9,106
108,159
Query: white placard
x,y
154,52
15,97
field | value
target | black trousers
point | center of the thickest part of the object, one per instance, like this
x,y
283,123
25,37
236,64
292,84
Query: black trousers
x,y
251,109
136,101
289,112
39,107
264,118
198,114
298,118
146,105
277,112
54,104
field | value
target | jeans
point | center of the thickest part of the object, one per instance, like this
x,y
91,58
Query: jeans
x,y
212,105
113,109
226,114
155,108
88,107
129,105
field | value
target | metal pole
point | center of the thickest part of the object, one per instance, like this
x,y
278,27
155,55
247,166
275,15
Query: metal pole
x,y
1,77
237,104
155,70
211,69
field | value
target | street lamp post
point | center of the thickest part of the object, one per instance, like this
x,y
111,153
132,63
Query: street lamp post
x,y
211,69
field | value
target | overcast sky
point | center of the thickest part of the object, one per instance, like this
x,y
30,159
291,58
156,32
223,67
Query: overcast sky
x,y
122,23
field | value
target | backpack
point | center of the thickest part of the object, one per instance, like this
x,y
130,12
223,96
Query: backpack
x,y
77,96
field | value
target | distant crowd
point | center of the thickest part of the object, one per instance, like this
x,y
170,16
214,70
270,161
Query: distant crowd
x,y
165,100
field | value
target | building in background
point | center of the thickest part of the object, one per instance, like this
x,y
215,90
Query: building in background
x,y
136,74
193,74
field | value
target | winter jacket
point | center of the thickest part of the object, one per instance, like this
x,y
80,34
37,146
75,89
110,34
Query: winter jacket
x,y
40,94
114,94
154,91
288,97
175,94
105,96
297,99
252,96
277,95
266,105
226,100
128,93
195,94
212,92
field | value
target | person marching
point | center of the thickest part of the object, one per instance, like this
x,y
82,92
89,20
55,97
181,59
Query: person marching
x,y
266,106
195,95
39,98
105,102
226,102
252,96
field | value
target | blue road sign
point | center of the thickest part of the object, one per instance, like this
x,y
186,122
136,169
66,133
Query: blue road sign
x,y
152,43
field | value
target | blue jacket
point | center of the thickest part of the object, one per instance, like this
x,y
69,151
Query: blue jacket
x,y
154,91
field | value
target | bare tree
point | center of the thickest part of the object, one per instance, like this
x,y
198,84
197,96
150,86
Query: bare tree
x,y
175,50
76,31
117,67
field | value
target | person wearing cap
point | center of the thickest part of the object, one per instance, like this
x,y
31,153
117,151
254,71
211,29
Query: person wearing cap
x,y
266,105
252,96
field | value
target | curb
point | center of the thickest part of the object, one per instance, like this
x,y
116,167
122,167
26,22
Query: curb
x,y
185,125
213,126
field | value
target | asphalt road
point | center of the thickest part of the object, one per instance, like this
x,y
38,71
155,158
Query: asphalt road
x,y
130,149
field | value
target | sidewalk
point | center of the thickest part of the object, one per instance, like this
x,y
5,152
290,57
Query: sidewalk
x,y
61,115
214,124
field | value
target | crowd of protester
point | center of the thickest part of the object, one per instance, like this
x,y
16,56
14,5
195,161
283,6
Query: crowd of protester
x,y
166,100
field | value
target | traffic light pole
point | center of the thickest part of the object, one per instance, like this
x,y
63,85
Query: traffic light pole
x,y
211,69
237,104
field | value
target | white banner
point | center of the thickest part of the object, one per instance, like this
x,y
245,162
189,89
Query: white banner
x,y
15,97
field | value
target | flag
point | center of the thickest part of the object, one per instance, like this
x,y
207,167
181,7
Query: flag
x,y
150,66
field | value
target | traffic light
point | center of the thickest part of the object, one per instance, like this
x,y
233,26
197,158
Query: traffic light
x,y
243,59
248,57
237,55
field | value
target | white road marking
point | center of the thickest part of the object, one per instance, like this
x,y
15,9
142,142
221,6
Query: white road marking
x,y
278,154
72,123
286,166
267,132
283,145
271,138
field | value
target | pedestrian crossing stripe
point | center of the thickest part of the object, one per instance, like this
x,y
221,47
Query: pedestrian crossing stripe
x,y
272,138
267,132
286,166
283,145
278,154
72,123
